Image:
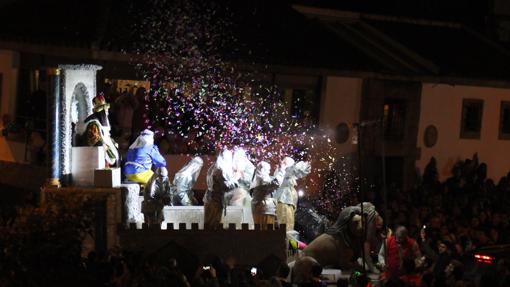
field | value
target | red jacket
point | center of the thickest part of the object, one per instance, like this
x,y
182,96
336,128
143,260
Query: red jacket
x,y
394,257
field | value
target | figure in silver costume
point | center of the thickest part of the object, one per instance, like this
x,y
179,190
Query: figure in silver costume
x,y
220,179
263,205
184,179
242,170
286,195
156,196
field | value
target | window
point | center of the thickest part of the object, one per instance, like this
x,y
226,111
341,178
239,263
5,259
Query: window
x,y
302,104
471,124
394,116
341,133
302,95
504,121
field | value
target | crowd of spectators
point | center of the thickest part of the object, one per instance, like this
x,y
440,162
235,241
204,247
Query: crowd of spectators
x,y
450,220
117,268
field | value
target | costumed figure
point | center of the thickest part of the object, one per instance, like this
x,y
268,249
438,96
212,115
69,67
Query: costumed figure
x,y
243,171
156,196
220,179
342,243
97,131
263,205
287,174
141,156
184,179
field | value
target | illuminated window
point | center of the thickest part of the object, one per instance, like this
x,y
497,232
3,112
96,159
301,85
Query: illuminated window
x,y
471,124
504,121
394,119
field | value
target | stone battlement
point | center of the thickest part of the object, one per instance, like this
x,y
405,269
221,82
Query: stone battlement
x,y
248,246
196,226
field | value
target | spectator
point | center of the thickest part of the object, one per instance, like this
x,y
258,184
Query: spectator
x,y
398,247
443,259
282,274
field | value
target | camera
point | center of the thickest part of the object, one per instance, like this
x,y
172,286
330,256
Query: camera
x,y
206,267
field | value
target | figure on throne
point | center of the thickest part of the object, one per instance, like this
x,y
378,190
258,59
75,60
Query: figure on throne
x,y
97,131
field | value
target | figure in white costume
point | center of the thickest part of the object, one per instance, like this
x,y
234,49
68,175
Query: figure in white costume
x,y
97,131
286,195
263,205
243,171
220,179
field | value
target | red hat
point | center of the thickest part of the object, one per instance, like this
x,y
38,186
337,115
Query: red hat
x,y
100,103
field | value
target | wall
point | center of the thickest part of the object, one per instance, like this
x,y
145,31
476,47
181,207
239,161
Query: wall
x,y
248,247
441,105
9,62
16,175
340,103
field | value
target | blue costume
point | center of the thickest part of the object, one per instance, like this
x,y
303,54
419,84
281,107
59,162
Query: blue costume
x,y
141,155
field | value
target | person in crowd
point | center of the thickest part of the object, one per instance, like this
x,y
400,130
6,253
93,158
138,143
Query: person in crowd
x,y
282,275
443,260
286,195
263,205
206,276
503,272
142,155
425,243
410,277
398,247
97,130
315,278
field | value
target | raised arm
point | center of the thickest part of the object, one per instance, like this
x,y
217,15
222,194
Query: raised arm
x,y
157,159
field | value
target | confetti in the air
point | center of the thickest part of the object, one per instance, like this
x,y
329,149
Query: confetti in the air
x,y
200,93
